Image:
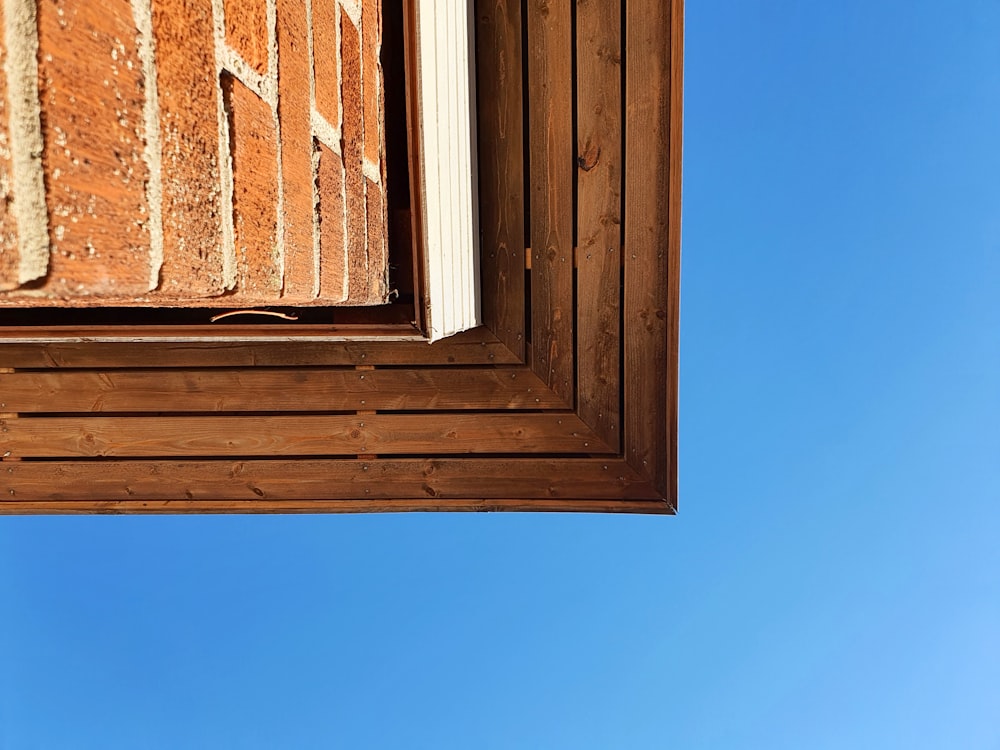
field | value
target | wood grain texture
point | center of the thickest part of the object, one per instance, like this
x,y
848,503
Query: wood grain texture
x,y
598,217
476,347
274,389
419,483
302,435
501,170
550,127
652,235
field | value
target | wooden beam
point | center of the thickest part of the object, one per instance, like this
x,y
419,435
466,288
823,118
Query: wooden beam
x,y
652,238
550,126
303,435
499,89
476,347
421,482
599,215
275,389
189,507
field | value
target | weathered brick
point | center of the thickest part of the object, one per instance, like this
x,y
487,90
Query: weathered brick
x,y
189,143
333,256
246,31
371,35
325,56
92,97
134,223
9,257
378,258
253,144
294,108
353,144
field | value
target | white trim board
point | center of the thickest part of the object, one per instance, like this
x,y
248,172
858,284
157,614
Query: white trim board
x,y
447,158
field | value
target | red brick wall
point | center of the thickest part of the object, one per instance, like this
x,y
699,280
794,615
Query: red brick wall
x,y
191,152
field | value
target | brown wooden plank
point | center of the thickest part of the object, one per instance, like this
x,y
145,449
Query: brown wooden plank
x,y
550,128
273,389
501,169
598,219
304,435
476,347
218,507
652,234
280,481
675,156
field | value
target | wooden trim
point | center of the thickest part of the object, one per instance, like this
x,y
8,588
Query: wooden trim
x,y
577,481
501,171
73,350
300,435
599,216
274,390
675,156
652,179
550,124
413,139
265,506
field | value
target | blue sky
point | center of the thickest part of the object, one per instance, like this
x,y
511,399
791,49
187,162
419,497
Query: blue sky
x,y
833,578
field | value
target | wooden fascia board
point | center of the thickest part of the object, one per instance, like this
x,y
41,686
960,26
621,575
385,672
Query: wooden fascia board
x,y
156,347
652,240
204,507
327,485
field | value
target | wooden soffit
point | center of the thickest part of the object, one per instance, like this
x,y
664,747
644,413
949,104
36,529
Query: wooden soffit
x,y
565,399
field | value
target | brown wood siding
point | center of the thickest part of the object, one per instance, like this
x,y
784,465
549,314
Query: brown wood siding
x,y
583,419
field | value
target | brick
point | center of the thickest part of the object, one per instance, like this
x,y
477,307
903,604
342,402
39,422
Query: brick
x,y
371,67
9,256
246,31
134,223
325,59
92,97
333,256
354,185
294,107
253,144
189,143
378,258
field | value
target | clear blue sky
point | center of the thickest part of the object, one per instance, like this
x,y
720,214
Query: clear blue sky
x,y
833,578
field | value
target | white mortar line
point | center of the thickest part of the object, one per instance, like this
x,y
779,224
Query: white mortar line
x,y
371,170
316,220
340,68
338,51
329,135
272,74
364,183
353,10
225,158
312,56
152,154
28,207
233,62
314,153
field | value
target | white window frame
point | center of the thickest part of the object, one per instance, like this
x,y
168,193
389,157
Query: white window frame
x,y
446,157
